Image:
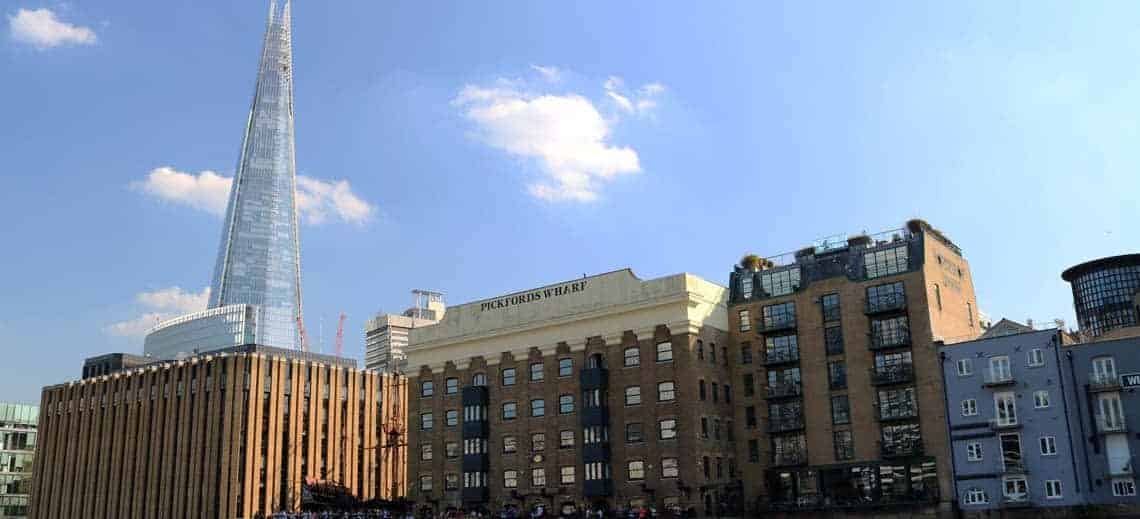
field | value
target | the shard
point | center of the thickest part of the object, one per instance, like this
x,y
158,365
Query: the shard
x,y
256,290
259,260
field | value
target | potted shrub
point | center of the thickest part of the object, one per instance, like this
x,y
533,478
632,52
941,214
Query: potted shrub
x,y
859,239
752,262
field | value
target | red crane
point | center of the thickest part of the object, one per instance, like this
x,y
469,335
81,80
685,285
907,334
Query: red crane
x,y
304,338
340,335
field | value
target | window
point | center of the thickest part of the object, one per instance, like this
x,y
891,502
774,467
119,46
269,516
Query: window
x,y
746,286
636,470
975,496
425,483
509,377
974,451
837,374
784,348
451,386
833,340
830,304
969,407
890,332
1015,489
779,316
753,451
1048,445
451,417
749,385
632,356
746,353
475,446
670,468
938,296
474,479
701,390
844,446
700,349
887,297
451,482
1005,407
538,442
1104,369
840,410
1040,399
536,372
965,367
566,439
715,392
724,354
704,427
634,433
727,394
474,413
667,429
712,353
538,407
425,452
1053,489
565,367
1123,487
1036,357
750,417
426,421
969,307
510,479
633,395
780,283
565,404
666,391
745,321
510,411
566,475
479,380
999,368
427,388
510,445
664,352
451,449
538,477
886,262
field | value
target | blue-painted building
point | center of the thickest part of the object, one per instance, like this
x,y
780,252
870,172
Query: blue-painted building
x,y
1009,421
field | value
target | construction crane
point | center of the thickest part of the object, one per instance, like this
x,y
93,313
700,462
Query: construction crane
x,y
304,338
340,335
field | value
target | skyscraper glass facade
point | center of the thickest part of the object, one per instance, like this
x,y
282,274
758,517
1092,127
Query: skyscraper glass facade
x,y
259,257
17,449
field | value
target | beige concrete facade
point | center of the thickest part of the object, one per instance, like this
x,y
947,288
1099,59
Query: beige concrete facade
x,y
634,342
224,435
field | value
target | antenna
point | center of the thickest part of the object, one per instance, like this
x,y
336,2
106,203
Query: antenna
x,y
340,335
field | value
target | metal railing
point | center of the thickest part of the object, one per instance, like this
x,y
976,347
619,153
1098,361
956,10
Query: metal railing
x,y
1111,424
782,356
997,378
1099,382
785,390
892,374
775,324
885,303
901,448
893,339
786,423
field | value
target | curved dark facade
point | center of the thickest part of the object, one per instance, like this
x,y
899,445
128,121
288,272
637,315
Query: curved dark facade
x,y
1104,291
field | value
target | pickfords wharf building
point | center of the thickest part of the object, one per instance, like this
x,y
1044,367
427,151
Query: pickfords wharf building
x,y
230,433
580,394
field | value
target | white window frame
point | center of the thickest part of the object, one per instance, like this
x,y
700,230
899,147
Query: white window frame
x,y
1041,399
1123,487
1053,489
975,496
1000,368
965,367
970,407
1104,368
1024,484
974,451
1035,357
1008,402
1047,445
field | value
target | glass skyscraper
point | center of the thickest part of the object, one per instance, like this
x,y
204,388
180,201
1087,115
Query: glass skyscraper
x,y
259,259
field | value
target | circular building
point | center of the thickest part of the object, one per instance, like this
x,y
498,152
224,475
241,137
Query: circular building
x,y
1104,293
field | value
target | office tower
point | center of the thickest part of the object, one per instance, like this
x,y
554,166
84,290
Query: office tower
x,y
17,450
386,335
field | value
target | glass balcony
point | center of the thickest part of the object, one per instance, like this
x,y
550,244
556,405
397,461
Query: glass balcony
x,y
785,390
901,411
786,423
993,378
885,303
893,374
896,339
775,357
1100,382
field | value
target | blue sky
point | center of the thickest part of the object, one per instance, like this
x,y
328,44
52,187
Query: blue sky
x,y
480,148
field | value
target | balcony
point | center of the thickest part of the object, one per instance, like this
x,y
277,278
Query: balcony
x,y
475,395
776,324
892,374
1100,383
776,357
998,378
885,303
902,448
1004,425
476,462
1013,465
784,390
598,487
594,378
476,429
883,341
592,452
897,412
785,424
789,458
1111,424
1118,469
475,495
597,415
1016,501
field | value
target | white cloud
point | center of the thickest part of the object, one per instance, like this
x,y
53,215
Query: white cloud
x,y
158,306
551,74
639,102
317,200
42,30
565,134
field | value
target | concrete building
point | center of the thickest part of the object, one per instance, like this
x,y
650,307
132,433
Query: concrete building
x,y
386,335
17,453
226,434
839,402
585,393
1012,413
207,330
109,363
1105,296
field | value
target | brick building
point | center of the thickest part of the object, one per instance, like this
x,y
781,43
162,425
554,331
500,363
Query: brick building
x,y
578,394
840,402
225,434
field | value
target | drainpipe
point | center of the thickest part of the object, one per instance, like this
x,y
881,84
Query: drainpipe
x,y
1065,408
1080,422
949,433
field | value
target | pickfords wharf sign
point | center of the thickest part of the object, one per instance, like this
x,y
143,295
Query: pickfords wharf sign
x,y
533,296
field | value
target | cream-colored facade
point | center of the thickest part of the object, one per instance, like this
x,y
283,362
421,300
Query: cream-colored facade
x,y
605,305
